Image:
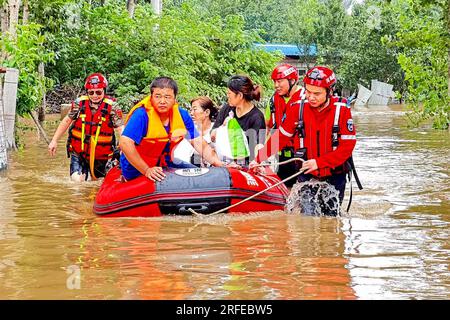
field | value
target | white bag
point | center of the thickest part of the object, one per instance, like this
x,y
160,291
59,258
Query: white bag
x,y
182,152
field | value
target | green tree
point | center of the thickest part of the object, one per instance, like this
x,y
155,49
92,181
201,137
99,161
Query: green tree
x,y
349,43
267,17
301,26
30,46
25,52
200,52
423,42
363,55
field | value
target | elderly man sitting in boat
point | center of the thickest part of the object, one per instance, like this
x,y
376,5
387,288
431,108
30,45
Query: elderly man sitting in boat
x,y
154,128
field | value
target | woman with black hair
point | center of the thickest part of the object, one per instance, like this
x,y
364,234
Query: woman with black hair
x,y
244,122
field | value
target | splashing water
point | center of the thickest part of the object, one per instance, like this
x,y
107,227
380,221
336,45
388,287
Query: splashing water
x,y
313,198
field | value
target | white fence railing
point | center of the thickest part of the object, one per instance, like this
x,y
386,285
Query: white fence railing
x,y
8,98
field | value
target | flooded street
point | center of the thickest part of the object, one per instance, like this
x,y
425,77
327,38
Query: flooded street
x,y
394,243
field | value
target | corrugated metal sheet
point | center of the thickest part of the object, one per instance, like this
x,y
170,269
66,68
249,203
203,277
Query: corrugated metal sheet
x,y
364,95
382,92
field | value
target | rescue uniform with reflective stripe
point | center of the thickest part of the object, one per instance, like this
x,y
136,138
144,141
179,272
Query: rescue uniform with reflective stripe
x,y
280,105
275,115
318,128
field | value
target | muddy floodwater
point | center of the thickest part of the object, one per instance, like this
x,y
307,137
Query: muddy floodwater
x,y
393,244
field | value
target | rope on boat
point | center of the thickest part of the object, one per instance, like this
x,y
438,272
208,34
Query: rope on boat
x,y
279,163
258,193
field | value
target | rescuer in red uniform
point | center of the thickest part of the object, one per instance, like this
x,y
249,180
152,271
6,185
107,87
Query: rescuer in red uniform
x,y
321,129
287,91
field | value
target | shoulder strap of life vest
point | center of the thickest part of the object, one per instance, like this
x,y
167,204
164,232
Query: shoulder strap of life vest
x,y
272,111
105,109
335,130
84,103
143,103
301,123
350,161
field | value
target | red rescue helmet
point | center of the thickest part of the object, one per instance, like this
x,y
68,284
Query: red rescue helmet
x,y
96,81
285,71
321,77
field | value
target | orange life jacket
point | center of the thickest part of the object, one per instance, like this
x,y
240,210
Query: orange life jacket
x,y
151,148
92,135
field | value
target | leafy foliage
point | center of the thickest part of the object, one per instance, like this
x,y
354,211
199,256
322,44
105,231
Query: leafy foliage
x,y
199,53
424,43
402,42
25,52
201,43
363,56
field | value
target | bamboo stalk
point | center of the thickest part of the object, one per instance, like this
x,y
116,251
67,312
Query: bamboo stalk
x,y
38,125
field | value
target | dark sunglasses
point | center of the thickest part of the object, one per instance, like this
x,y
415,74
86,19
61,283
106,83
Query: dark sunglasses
x,y
97,92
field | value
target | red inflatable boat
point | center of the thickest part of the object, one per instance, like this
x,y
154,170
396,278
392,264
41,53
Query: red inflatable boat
x,y
205,190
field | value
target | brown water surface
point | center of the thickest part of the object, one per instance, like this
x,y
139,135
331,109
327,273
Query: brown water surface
x,y
394,243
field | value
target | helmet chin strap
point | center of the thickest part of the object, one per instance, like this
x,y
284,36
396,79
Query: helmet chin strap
x,y
325,104
291,85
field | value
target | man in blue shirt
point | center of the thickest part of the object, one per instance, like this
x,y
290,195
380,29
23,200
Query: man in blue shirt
x,y
146,149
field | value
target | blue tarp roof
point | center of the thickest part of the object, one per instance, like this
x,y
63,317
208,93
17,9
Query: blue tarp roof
x,y
289,50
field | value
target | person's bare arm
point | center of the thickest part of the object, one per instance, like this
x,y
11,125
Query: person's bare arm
x,y
202,147
119,130
62,128
129,149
